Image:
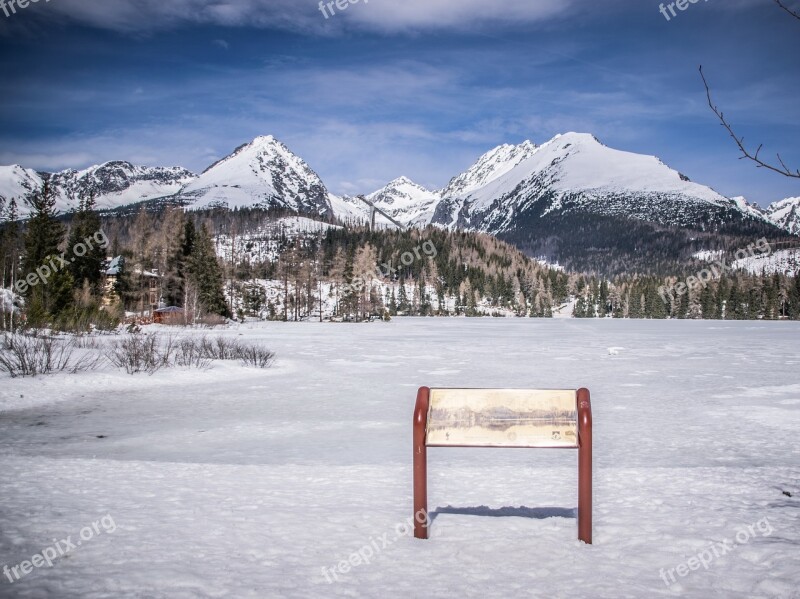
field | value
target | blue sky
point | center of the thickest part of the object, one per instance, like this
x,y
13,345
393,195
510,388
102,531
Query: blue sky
x,y
387,88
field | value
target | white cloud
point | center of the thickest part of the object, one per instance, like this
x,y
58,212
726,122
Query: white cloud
x,y
138,16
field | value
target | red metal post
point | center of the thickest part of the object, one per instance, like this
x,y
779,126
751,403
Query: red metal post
x,y
421,464
584,466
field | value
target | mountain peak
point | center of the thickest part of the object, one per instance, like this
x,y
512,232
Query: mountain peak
x,y
786,214
263,172
404,181
265,140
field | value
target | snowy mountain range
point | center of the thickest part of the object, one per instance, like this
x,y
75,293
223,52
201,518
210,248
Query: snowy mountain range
x,y
113,184
506,190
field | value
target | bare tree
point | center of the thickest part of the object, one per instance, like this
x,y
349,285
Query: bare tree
x,y
795,14
754,156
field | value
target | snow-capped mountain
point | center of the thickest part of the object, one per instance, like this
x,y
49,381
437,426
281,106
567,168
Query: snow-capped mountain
x,y
510,190
406,201
492,166
113,184
121,183
742,203
575,173
786,214
17,182
265,173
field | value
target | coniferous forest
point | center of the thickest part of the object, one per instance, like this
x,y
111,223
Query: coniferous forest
x,y
256,263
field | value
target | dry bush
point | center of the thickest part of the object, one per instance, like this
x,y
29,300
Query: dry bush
x,y
140,353
31,355
149,353
255,355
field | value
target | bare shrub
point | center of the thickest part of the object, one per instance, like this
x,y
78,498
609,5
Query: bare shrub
x,y
188,352
140,353
223,348
255,355
149,353
31,355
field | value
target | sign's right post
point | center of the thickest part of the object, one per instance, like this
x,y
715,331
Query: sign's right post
x,y
584,466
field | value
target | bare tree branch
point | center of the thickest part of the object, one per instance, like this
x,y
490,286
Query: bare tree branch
x,y
782,169
787,9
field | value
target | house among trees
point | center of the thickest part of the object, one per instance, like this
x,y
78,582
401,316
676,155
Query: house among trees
x,y
139,289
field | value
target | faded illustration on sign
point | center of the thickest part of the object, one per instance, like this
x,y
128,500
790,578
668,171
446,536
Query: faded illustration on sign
x,y
502,418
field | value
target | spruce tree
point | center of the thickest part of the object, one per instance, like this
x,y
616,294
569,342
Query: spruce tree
x,y
43,237
85,253
205,273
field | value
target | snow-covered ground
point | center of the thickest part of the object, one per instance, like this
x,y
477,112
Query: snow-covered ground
x,y
237,482
786,261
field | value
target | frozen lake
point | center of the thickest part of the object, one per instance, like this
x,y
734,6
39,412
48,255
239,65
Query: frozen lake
x,y
236,482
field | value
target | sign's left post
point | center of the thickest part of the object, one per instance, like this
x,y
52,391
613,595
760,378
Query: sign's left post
x,y
421,464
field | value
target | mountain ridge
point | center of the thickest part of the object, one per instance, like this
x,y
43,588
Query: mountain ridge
x,y
538,197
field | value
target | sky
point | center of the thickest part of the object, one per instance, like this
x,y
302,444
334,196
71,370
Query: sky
x,y
384,88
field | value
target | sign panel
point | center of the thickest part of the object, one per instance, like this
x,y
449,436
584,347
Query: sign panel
x,y
502,418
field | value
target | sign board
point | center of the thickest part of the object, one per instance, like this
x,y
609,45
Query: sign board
x,y
502,418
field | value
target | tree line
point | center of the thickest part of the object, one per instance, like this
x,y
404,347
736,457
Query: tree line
x,y
256,262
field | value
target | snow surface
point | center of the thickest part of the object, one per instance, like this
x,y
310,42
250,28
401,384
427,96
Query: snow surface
x,y
786,261
238,482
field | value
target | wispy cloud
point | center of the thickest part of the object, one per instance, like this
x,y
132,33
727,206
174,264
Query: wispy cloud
x,y
136,16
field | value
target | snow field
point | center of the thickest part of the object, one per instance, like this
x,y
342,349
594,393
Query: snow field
x,y
239,482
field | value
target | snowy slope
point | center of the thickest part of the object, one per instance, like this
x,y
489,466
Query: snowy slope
x,y
17,182
783,261
742,204
265,243
574,172
406,201
349,209
121,183
236,482
786,214
114,184
490,167
263,172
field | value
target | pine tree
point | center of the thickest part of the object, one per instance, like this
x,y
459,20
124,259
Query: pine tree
x,y
205,273
44,234
85,253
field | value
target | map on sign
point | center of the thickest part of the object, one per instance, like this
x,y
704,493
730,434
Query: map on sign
x,y
502,418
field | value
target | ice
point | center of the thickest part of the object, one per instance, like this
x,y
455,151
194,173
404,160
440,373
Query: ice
x,y
239,482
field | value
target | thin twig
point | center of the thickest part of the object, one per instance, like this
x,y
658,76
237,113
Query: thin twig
x,y
787,9
783,169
